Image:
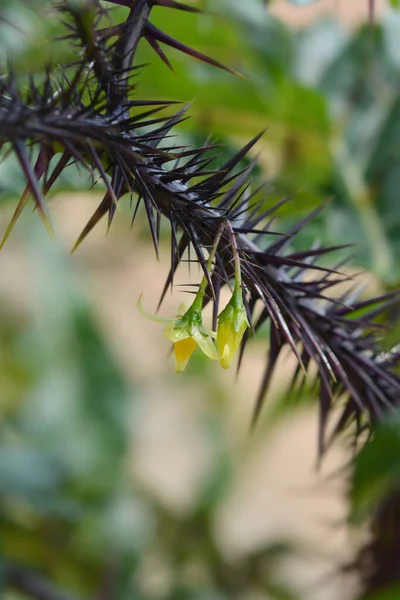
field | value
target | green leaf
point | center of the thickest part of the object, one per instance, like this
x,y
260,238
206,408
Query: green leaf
x,y
376,470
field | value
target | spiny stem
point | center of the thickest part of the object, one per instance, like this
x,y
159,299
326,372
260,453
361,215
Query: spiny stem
x,y
127,43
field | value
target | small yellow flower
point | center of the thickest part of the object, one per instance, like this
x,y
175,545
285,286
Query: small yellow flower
x,y
232,323
186,332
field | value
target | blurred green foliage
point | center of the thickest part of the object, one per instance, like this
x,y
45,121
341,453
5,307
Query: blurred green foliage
x,y
331,104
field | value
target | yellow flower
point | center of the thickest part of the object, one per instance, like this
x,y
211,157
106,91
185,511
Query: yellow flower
x,y
186,332
232,323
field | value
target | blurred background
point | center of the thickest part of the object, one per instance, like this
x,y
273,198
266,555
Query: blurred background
x,y
118,479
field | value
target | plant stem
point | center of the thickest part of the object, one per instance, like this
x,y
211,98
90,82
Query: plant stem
x,y
235,254
213,251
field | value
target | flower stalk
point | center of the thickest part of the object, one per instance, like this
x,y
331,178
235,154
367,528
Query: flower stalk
x,y
232,321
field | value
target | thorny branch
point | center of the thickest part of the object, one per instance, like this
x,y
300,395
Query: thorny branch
x,y
92,115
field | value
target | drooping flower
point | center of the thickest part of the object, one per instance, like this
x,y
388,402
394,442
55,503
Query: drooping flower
x,y
232,323
186,332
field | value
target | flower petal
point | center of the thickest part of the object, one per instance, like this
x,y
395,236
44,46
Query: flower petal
x,y
226,357
232,324
206,345
183,350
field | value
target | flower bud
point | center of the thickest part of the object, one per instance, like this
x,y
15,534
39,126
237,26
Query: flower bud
x,y
232,323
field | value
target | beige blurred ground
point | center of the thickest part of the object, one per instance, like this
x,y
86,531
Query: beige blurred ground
x,y
278,491
351,12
